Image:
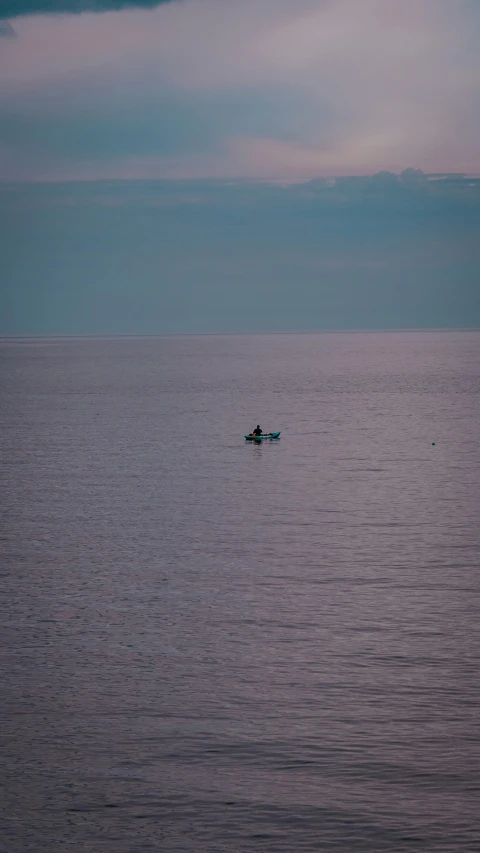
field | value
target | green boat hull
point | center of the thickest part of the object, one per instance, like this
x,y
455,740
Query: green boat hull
x,y
269,435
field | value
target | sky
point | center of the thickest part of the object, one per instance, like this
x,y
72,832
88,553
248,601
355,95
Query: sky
x,y
182,166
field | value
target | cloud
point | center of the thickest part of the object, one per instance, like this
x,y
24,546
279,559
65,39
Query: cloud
x,y
238,88
18,8
167,256
6,30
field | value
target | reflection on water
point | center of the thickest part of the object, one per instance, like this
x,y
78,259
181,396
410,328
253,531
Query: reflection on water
x,y
217,645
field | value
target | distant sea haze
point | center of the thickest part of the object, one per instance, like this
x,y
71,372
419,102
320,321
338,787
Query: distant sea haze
x,y
153,257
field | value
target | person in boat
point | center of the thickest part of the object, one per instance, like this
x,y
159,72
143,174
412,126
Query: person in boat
x,y
257,430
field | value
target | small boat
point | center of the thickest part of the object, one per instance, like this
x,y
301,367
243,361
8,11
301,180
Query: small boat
x,y
270,435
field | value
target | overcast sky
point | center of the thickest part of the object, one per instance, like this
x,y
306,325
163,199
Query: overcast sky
x,y
284,90
239,87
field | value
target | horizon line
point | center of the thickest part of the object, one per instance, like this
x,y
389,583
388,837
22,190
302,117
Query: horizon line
x,y
129,335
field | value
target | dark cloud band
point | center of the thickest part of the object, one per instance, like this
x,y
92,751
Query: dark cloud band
x,y
16,8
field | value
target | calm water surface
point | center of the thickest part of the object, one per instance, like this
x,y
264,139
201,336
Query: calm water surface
x,y
213,647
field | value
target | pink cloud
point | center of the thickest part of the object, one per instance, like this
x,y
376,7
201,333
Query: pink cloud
x,y
398,76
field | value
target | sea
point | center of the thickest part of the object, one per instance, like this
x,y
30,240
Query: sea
x,y
214,646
